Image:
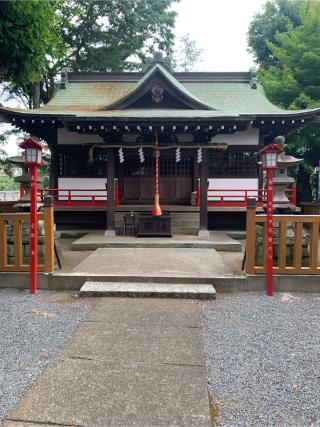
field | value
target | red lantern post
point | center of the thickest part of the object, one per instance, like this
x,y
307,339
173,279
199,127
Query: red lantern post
x,y
269,155
156,210
33,150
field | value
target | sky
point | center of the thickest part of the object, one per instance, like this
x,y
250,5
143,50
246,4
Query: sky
x,y
219,27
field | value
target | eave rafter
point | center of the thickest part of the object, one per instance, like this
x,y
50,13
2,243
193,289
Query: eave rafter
x,y
208,128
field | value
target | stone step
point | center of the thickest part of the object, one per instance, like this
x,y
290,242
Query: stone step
x,y
174,215
175,230
147,290
237,234
185,230
183,222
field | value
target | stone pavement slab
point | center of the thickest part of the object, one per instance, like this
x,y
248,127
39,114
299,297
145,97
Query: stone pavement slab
x,y
136,262
92,393
138,343
147,311
131,363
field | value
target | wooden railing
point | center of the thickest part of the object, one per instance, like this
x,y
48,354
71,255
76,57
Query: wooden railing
x,y
17,220
303,243
238,197
80,196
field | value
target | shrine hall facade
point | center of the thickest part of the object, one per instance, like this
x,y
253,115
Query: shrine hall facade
x,y
102,129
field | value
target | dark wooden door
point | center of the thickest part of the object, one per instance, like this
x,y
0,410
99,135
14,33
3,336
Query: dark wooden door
x,y
176,181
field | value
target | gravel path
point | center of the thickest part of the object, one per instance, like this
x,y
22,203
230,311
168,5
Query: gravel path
x,y
263,357
33,328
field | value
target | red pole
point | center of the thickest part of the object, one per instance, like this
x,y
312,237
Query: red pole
x,y
198,192
269,232
33,230
116,192
156,210
294,195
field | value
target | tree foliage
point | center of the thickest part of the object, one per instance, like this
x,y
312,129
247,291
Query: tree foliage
x,y
290,75
274,18
98,35
7,183
29,37
103,35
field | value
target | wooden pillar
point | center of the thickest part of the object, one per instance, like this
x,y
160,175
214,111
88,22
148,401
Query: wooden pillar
x,y
204,166
110,231
48,234
54,160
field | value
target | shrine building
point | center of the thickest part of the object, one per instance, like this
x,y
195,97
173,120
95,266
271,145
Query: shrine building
x,y
104,130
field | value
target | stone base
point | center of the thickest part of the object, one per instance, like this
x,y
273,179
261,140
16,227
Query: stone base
x,y
110,233
203,233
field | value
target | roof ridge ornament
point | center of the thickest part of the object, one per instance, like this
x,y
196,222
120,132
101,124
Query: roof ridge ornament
x,y
64,79
157,93
253,77
157,58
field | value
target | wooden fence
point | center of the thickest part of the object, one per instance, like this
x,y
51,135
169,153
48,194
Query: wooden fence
x,y
310,208
17,222
297,234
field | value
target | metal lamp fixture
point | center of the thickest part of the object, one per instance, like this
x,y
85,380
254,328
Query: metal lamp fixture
x,y
269,156
33,152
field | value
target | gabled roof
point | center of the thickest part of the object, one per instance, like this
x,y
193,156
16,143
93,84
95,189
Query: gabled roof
x,y
160,77
199,96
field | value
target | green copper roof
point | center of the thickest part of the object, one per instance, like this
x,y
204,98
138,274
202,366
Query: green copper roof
x,y
213,95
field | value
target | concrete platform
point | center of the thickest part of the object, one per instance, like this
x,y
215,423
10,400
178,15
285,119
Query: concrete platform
x,y
218,240
153,263
136,289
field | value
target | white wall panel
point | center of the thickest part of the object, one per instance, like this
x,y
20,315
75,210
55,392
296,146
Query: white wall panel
x,y
237,184
88,185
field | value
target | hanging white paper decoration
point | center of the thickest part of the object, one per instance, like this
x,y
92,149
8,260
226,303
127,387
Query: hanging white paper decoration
x,y
141,155
178,154
121,155
199,155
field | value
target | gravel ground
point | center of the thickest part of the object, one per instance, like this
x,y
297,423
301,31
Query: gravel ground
x,y
33,328
263,358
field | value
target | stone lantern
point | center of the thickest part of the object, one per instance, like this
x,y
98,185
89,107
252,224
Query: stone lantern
x,y
281,180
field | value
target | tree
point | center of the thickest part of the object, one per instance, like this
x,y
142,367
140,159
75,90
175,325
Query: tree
x,y
109,35
274,19
295,81
29,37
5,132
7,183
292,81
187,55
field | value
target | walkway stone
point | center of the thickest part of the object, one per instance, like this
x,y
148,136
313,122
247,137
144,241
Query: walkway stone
x,y
142,290
163,263
135,362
